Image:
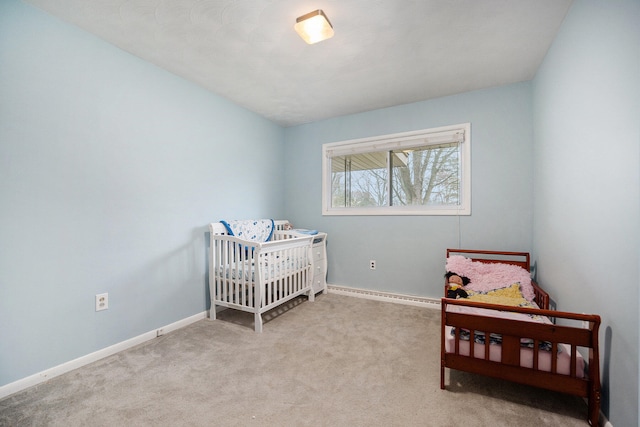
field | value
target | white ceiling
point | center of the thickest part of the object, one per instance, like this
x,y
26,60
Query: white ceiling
x,y
384,52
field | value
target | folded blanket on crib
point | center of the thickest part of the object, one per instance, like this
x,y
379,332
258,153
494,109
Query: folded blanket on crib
x,y
256,230
305,231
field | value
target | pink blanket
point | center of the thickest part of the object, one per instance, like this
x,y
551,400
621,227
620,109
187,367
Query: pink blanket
x,y
485,277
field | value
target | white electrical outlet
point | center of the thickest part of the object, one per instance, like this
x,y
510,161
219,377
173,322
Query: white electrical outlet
x,y
102,302
372,264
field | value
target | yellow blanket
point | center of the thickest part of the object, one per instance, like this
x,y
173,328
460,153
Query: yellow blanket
x,y
511,296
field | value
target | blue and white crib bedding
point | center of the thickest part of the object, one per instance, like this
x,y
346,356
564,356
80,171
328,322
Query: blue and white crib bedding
x,y
255,230
275,269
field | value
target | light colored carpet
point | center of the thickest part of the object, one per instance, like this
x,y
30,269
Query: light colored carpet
x,y
338,361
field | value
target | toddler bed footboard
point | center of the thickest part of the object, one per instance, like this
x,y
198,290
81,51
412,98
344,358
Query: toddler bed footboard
x,y
543,355
257,276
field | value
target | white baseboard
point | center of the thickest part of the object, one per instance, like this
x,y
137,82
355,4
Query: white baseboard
x,y
385,296
40,377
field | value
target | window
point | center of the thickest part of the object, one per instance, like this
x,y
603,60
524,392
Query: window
x,y
425,172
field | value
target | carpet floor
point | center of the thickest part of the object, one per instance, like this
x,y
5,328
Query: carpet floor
x,y
338,361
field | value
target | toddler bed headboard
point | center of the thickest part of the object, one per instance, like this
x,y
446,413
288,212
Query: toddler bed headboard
x,y
520,259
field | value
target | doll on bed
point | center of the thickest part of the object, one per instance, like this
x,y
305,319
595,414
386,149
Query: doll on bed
x,y
456,283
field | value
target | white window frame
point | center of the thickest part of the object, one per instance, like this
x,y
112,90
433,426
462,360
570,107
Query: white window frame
x,y
406,140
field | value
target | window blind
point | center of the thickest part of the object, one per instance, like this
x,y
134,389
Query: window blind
x,y
404,142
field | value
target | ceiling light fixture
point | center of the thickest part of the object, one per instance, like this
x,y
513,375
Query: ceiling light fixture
x,y
314,27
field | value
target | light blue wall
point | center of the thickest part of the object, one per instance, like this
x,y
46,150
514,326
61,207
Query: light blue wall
x,y
587,178
410,250
110,170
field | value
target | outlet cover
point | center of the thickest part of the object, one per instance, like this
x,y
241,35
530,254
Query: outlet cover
x,y
102,302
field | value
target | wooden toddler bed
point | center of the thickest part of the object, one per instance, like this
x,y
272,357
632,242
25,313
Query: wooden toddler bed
x,y
522,338
256,265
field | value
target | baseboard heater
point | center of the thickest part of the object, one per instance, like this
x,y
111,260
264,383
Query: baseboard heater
x,y
385,296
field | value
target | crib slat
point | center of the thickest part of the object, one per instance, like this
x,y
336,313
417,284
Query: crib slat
x,y
237,275
251,278
245,267
223,283
289,283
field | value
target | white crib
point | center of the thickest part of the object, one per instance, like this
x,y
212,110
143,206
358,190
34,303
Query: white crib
x,y
258,276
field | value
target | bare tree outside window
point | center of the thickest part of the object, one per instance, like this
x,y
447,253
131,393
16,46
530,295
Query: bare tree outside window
x,y
421,176
426,176
359,180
